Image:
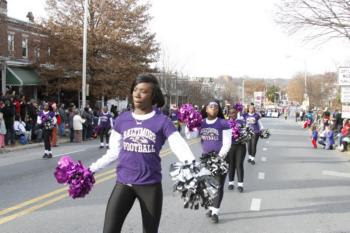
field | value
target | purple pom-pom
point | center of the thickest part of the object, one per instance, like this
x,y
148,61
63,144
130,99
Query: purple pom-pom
x,y
238,107
79,178
189,115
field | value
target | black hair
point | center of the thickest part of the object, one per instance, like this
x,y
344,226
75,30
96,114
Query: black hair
x,y
220,113
157,95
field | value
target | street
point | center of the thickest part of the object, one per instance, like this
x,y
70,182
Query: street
x,y
293,188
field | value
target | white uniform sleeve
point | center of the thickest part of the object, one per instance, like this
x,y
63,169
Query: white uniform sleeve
x,y
180,147
38,120
115,145
111,120
226,142
260,125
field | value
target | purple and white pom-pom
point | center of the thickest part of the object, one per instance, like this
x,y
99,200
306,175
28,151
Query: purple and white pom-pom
x,y
79,178
185,111
235,129
194,120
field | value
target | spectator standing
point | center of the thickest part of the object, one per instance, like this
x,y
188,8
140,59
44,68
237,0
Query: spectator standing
x,y
87,126
63,116
78,126
2,130
9,115
70,116
54,129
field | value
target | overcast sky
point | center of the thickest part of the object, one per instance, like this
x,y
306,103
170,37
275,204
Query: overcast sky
x,y
225,37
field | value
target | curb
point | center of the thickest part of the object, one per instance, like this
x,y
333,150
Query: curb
x,y
28,146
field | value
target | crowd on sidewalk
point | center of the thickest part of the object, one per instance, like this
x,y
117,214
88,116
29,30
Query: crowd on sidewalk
x,y
327,128
20,121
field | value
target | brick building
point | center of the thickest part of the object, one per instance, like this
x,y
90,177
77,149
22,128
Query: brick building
x,y
22,48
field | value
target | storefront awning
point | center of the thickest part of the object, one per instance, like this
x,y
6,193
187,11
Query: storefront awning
x,y
21,77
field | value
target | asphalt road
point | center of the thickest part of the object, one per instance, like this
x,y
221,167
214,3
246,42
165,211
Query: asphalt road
x,y
292,188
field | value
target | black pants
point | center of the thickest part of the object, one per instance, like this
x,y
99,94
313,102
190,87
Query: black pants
x,y
47,136
71,134
10,135
235,159
252,144
123,198
217,200
104,132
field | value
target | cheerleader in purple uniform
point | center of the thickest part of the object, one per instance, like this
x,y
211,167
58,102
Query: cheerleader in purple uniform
x,y
47,120
136,140
105,123
236,155
253,121
215,136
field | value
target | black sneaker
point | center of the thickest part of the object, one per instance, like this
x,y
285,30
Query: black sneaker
x,y
107,147
101,147
240,189
214,218
45,156
208,214
49,156
249,160
252,162
230,187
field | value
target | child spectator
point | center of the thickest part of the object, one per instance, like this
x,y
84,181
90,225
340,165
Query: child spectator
x,y
314,135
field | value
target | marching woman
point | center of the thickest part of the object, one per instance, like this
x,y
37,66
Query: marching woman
x,y
215,136
136,140
47,120
236,155
105,123
253,121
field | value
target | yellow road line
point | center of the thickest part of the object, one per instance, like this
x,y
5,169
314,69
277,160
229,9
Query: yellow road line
x,y
45,196
60,197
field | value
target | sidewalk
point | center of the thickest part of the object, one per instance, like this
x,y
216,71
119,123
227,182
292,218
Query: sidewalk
x,y
19,147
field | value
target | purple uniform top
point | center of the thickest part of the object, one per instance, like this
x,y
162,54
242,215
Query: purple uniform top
x,y
142,140
44,116
252,121
211,135
105,120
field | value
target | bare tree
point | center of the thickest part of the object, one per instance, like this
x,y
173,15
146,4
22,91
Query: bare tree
x,y
322,19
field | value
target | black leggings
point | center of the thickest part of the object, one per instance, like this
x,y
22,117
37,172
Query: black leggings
x,y
104,132
123,198
47,137
235,159
252,144
217,200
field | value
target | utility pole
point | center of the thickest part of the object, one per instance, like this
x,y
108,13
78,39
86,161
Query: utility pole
x,y
83,91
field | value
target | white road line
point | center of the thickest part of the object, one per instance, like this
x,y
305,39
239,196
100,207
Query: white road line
x,y
264,149
68,153
263,159
338,174
261,176
255,205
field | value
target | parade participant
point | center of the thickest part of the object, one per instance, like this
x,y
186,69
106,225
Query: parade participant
x,y
105,123
314,135
47,120
253,121
136,140
236,155
215,136
174,116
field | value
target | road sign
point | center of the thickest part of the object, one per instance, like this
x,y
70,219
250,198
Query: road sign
x,y
345,94
344,76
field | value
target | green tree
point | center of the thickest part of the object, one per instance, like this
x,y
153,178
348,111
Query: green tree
x,y
272,93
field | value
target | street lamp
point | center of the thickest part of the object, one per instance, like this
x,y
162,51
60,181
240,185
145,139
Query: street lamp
x,y
83,92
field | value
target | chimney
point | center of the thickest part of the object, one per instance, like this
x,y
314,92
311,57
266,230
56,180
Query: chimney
x,y
3,7
30,17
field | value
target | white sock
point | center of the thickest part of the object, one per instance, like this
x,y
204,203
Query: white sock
x,y
231,182
215,211
107,145
251,157
46,152
240,184
102,144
